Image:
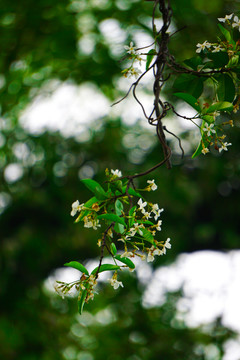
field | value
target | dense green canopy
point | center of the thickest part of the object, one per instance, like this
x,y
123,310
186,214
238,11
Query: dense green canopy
x,y
72,42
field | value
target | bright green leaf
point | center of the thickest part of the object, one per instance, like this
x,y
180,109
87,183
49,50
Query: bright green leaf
x,y
112,218
87,204
105,267
96,188
81,301
119,228
125,261
113,248
220,106
148,236
191,100
78,266
226,34
150,56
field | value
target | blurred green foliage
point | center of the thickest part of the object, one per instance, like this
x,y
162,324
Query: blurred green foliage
x,y
62,40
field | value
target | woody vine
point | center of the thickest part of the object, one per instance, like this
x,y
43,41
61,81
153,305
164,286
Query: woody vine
x,y
209,83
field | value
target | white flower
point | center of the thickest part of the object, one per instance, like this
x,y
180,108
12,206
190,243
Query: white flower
x,y
153,186
115,283
150,257
209,129
88,223
216,114
134,72
76,207
224,146
158,252
131,49
141,204
158,226
217,48
127,254
146,214
137,228
201,47
205,151
167,244
116,172
227,17
236,22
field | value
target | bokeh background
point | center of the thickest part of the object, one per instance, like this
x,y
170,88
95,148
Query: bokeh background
x,y
60,71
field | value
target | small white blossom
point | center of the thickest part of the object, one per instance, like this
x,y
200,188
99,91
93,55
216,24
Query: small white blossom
x,y
141,204
76,207
137,228
167,244
236,22
217,48
201,47
116,172
150,257
158,226
113,281
134,72
227,17
209,129
158,252
152,184
90,223
127,254
146,214
131,49
205,151
224,147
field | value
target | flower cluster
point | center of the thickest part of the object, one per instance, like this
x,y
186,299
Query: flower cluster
x,y
135,56
208,133
136,226
230,20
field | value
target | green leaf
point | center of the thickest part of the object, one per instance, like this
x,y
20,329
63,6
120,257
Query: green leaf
x,y
147,222
113,248
191,100
131,215
233,62
194,62
148,236
105,267
208,118
226,88
226,34
202,141
78,266
113,218
88,204
131,191
125,261
220,106
219,59
96,188
81,301
198,150
119,228
150,56
191,84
